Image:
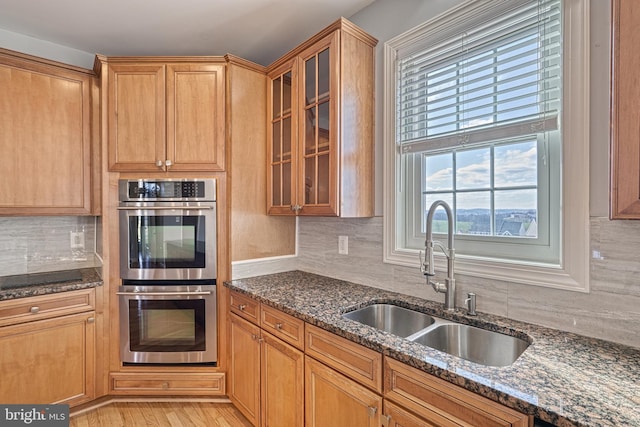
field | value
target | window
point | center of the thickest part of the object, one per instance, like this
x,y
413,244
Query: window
x,y
478,114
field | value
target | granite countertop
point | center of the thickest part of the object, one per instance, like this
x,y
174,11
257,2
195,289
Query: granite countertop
x,y
29,285
562,378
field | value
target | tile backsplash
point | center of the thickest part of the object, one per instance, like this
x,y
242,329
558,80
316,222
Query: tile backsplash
x,y
40,244
609,311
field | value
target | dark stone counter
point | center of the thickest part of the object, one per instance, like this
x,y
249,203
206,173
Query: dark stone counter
x,y
562,378
29,285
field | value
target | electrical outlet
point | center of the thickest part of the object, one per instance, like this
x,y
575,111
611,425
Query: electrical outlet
x,y
77,240
343,245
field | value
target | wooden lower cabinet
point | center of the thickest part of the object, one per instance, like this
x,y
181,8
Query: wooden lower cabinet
x,y
395,416
48,361
435,400
266,376
244,368
333,400
161,383
282,383
335,382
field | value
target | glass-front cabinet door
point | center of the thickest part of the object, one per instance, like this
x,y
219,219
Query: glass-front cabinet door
x,y
282,145
318,128
321,126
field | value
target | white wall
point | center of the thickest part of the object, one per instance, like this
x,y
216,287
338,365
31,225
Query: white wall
x,y
45,49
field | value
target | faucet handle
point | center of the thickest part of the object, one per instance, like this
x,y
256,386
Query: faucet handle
x,y
471,304
424,265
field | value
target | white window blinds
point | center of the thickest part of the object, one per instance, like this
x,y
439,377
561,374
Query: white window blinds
x,y
493,76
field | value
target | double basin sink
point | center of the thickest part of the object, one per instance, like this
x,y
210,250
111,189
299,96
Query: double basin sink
x,y
467,342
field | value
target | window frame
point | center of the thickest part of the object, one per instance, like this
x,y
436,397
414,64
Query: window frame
x,y
572,272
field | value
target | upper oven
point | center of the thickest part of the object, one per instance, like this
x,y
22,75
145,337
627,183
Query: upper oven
x,y
167,229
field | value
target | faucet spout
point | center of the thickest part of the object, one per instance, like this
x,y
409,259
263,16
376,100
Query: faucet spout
x,y
428,268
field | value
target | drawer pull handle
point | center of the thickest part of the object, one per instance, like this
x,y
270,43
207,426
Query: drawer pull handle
x,y
34,309
241,307
278,326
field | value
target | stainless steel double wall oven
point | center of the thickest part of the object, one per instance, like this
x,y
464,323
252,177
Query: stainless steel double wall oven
x,y
168,270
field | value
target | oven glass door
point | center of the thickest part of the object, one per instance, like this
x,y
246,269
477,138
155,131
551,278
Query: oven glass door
x,y
168,241
167,325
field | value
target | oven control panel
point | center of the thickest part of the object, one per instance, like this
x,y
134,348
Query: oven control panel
x,y
167,189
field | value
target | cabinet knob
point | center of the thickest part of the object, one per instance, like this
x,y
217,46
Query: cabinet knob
x,y
372,411
386,420
168,163
159,163
165,385
241,307
278,326
34,309
91,319
296,208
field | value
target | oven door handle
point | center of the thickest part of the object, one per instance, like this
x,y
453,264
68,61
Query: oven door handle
x,y
163,208
153,294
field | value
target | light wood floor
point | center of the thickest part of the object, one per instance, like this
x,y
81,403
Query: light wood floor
x,y
165,414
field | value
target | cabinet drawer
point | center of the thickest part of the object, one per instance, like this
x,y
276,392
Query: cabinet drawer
x,y
355,361
28,309
245,307
282,325
434,399
395,416
159,383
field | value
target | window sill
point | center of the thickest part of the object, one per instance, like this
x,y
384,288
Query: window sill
x,y
545,275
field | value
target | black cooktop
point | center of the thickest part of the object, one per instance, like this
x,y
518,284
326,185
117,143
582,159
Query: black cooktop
x,y
23,280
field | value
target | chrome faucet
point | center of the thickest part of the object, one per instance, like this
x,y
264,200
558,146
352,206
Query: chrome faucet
x,y
427,267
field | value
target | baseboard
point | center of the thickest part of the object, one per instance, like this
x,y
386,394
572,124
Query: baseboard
x,y
107,400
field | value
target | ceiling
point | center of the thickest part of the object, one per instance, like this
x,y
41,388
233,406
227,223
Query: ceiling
x,y
257,30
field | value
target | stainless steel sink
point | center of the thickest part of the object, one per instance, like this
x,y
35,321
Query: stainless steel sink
x,y
391,318
467,342
477,345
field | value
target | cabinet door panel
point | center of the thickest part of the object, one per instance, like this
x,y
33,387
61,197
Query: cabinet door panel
x,y
398,417
282,384
45,134
196,117
136,115
244,370
625,112
48,361
318,132
434,399
282,143
333,400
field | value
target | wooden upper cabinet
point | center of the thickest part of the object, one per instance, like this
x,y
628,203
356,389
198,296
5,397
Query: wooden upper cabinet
x,y
166,116
45,137
136,114
625,111
196,116
321,126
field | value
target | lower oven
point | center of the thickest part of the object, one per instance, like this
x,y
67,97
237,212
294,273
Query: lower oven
x,y
166,324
